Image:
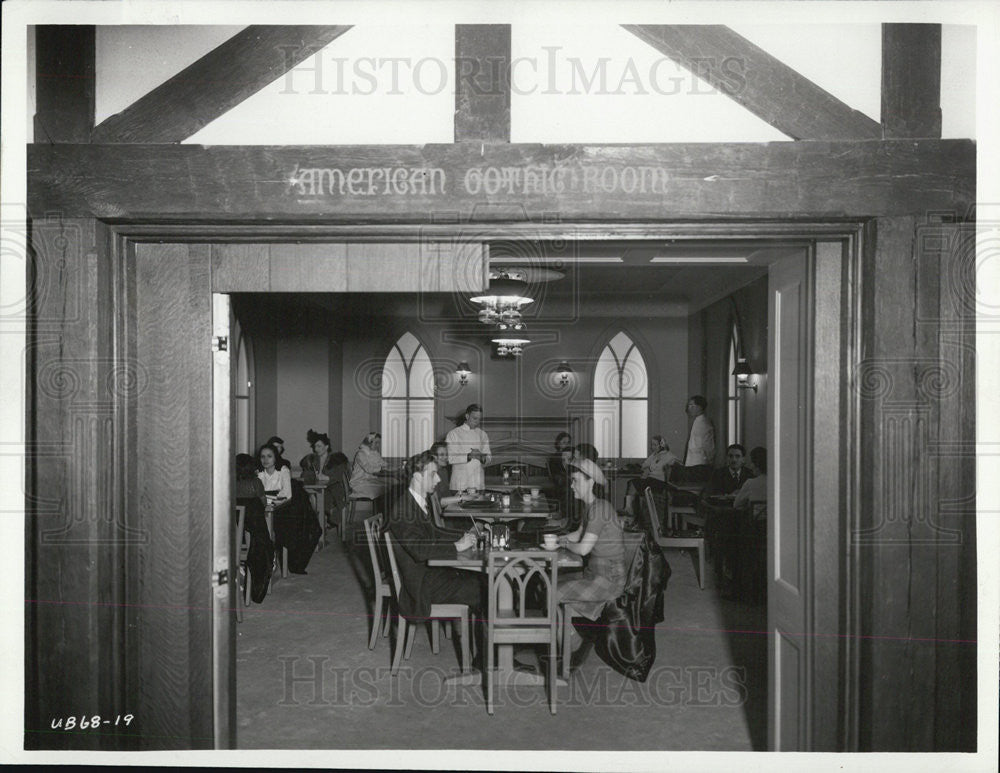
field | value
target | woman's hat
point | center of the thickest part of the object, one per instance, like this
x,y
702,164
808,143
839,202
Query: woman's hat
x,y
590,469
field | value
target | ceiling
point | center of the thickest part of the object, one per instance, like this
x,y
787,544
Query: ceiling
x,y
609,278
688,274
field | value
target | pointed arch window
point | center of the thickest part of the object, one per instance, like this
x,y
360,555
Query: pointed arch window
x,y
733,428
242,391
407,399
621,400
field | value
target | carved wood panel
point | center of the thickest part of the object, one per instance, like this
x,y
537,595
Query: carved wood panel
x,y
173,495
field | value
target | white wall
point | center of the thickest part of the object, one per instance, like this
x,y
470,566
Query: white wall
x,y
383,84
134,59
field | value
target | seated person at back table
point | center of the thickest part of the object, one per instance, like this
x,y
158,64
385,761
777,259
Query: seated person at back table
x,y
277,480
368,464
729,478
755,489
655,471
279,445
324,467
559,470
445,493
416,540
556,464
250,494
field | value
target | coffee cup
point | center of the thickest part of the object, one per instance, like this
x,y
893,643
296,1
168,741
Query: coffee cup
x,y
535,491
527,499
550,541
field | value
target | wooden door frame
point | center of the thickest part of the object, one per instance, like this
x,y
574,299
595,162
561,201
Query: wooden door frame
x,y
123,236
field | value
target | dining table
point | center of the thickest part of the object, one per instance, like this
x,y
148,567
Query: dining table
x,y
728,534
488,506
474,560
718,512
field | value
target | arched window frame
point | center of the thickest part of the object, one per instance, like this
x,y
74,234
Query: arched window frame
x,y
243,393
734,429
626,355
416,400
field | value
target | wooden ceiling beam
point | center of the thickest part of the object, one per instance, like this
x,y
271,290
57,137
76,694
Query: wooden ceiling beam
x,y
216,83
755,79
911,80
512,182
64,82
482,82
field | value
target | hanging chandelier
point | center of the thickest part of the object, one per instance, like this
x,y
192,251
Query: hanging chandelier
x,y
502,303
510,346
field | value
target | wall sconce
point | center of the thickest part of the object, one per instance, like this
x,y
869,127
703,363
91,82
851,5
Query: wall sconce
x,y
463,373
563,372
744,373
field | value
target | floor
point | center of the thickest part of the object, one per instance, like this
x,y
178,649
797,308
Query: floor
x,y
307,680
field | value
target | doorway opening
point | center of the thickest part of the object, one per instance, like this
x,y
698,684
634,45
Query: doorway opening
x,y
320,360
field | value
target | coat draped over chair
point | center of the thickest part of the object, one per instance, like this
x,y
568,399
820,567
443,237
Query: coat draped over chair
x,y
624,636
297,528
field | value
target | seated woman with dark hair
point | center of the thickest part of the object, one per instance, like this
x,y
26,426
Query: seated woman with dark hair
x,y
279,446
295,524
250,495
277,481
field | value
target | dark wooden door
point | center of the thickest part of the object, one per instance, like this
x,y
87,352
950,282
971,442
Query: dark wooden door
x,y
171,497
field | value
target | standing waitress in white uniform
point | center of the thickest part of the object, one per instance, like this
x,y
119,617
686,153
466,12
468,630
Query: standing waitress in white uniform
x,y
468,451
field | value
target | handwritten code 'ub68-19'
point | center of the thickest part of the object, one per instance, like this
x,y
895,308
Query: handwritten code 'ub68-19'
x,y
91,722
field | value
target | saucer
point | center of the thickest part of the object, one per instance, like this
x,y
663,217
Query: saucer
x,y
543,546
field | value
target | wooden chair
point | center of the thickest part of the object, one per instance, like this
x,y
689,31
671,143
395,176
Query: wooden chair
x,y
675,542
240,554
438,519
683,515
350,508
405,629
373,527
521,625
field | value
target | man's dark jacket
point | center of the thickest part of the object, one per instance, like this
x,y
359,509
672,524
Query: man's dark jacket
x,y
723,482
415,540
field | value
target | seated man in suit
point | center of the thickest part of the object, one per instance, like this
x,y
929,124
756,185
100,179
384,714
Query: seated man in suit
x,y
729,478
416,539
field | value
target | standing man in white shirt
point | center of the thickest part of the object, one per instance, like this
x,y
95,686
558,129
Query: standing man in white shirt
x,y
468,451
699,457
